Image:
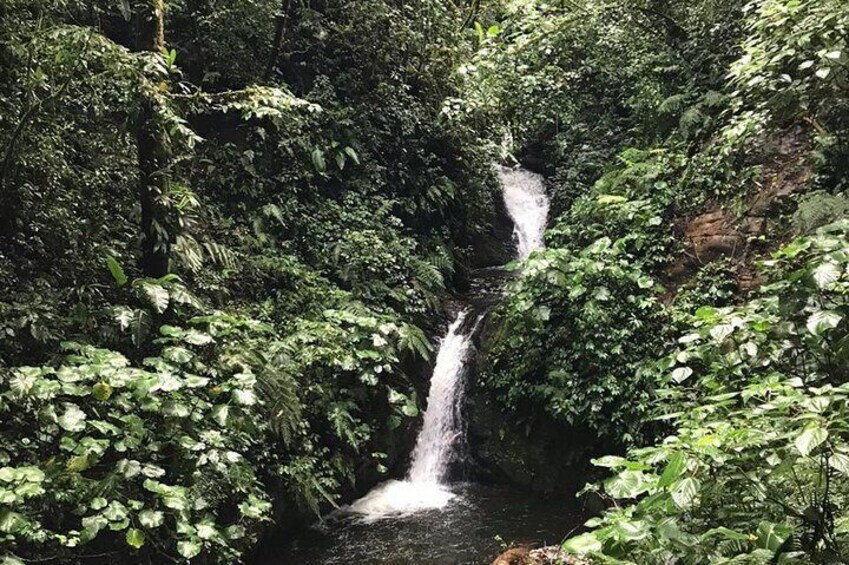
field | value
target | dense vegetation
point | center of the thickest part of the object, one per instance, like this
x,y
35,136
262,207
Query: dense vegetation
x,y
227,229
686,145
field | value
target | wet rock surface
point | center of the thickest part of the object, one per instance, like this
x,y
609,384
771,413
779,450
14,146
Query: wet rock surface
x,y
759,226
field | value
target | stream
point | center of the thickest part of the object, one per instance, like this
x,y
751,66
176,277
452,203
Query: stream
x,y
426,517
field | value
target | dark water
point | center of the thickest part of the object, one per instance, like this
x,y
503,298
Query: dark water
x,y
464,533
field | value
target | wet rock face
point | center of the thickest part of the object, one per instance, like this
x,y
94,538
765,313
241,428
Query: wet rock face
x,y
759,227
531,451
708,237
542,457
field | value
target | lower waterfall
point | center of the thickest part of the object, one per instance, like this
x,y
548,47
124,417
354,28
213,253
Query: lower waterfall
x,y
423,488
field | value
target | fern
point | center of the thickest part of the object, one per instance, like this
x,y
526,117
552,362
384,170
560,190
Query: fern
x,y
673,105
188,253
279,391
277,388
690,120
714,99
220,255
428,276
414,340
443,259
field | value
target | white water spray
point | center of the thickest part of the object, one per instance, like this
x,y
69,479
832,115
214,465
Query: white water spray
x,y
424,487
441,428
527,205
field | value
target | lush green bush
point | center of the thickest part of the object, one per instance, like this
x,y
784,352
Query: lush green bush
x,y
162,457
756,469
572,334
177,455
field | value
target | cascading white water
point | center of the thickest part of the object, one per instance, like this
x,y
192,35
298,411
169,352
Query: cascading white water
x,y
527,205
441,427
423,488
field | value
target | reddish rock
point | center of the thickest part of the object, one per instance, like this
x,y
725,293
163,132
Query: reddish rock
x,y
551,555
516,556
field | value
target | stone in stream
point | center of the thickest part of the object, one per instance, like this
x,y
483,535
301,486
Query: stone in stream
x,y
551,555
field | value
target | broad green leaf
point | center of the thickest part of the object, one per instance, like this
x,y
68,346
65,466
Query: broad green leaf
x,y
582,544
206,530
826,274
823,320
157,295
151,518
116,270
810,439
189,548
674,469
72,418
610,461
721,331
11,522
627,484
632,530
840,462
352,154
772,536
318,160
135,537
685,492
681,374
101,391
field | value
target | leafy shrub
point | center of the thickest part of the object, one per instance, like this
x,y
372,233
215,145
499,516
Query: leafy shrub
x,y
629,205
715,284
817,209
572,334
162,458
756,469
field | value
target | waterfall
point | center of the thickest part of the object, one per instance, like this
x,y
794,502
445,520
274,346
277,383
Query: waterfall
x,y
527,206
424,487
441,427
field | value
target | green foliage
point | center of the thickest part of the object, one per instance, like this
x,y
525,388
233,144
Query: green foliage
x,y
819,208
715,284
188,441
98,451
573,333
754,469
629,204
314,223
577,82
794,60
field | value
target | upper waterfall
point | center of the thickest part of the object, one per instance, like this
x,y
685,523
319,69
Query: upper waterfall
x,y
527,205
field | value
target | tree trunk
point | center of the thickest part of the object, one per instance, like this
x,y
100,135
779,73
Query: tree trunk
x,y
153,151
282,20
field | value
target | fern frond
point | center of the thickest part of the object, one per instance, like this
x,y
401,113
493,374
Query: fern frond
x,y
188,253
220,255
673,105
